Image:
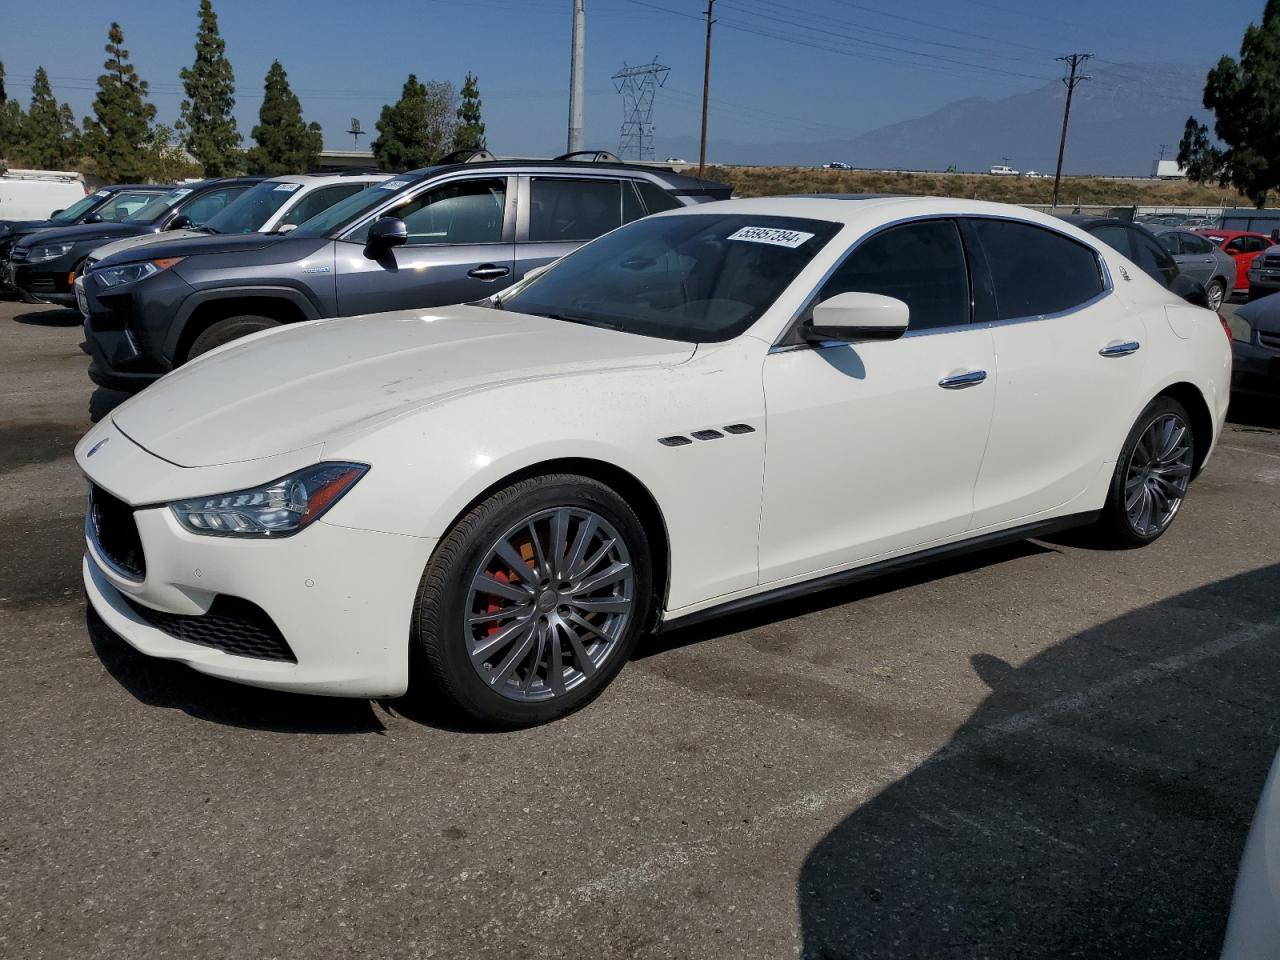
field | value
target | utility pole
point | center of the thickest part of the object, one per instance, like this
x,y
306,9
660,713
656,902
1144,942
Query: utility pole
x,y
1074,61
706,88
1163,148
576,73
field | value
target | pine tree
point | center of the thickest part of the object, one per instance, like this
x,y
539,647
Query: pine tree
x,y
470,132
285,143
418,127
48,138
1245,99
209,127
120,129
10,124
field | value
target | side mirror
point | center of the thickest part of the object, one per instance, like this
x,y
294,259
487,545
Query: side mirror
x,y
1192,291
286,228
180,222
93,218
388,232
854,317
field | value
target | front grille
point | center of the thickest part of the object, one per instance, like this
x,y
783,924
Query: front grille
x,y
1270,260
116,534
232,625
1267,339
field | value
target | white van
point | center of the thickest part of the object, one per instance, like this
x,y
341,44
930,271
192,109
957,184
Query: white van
x,y
38,194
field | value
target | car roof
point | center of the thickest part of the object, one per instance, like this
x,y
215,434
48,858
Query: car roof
x,y
151,187
870,210
666,174
316,178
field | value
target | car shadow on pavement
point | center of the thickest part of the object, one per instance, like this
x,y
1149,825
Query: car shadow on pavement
x,y
677,637
50,318
166,683
1250,411
102,401
1095,805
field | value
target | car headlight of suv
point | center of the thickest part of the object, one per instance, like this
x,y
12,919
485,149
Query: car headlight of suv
x,y
276,509
1239,328
48,251
132,272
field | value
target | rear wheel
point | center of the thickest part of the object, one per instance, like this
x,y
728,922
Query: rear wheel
x,y
1151,476
1216,292
533,602
224,331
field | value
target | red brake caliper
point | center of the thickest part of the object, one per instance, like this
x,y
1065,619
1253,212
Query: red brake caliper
x,y
526,554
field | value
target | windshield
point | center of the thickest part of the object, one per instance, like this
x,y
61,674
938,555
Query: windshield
x,y
249,211
352,208
158,207
694,277
79,208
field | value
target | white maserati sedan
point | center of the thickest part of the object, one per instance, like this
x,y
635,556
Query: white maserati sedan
x,y
701,411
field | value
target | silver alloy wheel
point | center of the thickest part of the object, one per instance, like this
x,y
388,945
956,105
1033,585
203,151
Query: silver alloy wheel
x,y
1157,476
1216,294
549,603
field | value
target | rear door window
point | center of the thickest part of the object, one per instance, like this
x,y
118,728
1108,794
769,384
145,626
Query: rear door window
x,y
1036,271
922,264
573,210
1193,244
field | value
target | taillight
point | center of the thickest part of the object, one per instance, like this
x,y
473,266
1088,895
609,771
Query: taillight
x,y
1225,327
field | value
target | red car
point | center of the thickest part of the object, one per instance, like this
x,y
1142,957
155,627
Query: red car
x,y
1244,246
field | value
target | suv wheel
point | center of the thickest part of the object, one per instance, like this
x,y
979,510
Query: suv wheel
x,y
224,331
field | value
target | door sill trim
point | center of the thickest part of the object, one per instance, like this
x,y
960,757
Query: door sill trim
x,y
881,567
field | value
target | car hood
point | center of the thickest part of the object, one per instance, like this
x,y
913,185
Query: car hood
x,y
1262,314
185,243
14,228
146,240
85,232
299,386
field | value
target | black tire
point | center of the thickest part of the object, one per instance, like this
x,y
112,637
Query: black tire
x,y
1114,527
442,669
1216,290
224,331
1257,293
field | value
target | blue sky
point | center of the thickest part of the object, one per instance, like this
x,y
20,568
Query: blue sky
x,y
805,70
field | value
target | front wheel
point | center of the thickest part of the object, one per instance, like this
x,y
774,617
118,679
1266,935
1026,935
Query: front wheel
x,y
533,602
1151,476
224,331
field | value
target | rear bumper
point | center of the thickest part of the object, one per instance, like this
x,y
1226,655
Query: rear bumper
x,y
1254,369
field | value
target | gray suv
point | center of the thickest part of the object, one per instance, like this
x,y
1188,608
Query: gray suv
x,y
444,234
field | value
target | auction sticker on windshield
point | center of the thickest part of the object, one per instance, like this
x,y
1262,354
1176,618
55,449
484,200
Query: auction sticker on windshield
x,y
772,235
288,187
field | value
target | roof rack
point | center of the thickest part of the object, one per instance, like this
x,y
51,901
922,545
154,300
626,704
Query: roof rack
x,y
590,156
337,171
465,156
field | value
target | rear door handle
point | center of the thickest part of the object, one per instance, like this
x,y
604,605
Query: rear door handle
x,y
488,271
1119,349
959,381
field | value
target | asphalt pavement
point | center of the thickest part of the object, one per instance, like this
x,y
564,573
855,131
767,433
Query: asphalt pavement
x,y
1043,750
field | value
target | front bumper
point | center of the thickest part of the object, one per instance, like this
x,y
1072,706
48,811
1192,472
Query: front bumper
x,y
45,282
128,329
341,598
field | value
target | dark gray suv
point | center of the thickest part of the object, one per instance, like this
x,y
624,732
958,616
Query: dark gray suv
x,y
444,234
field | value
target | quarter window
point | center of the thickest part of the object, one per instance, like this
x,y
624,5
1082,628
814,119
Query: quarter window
x,y
565,210
655,198
1036,271
921,264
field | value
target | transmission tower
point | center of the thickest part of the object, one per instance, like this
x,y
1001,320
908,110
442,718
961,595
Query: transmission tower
x,y
638,86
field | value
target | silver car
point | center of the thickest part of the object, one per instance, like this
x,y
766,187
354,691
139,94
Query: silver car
x,y
1202,260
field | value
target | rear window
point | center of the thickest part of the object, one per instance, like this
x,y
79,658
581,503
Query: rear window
x,y
1037,271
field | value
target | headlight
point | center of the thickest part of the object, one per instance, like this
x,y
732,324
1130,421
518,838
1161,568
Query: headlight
x,y
277,509
1239,328
48,251
131,272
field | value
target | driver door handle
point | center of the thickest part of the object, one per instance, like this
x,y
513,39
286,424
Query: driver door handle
x,y
1119,349
958,381
488,271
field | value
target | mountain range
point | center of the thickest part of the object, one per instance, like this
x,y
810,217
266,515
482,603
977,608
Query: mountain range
x,y
1119,119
